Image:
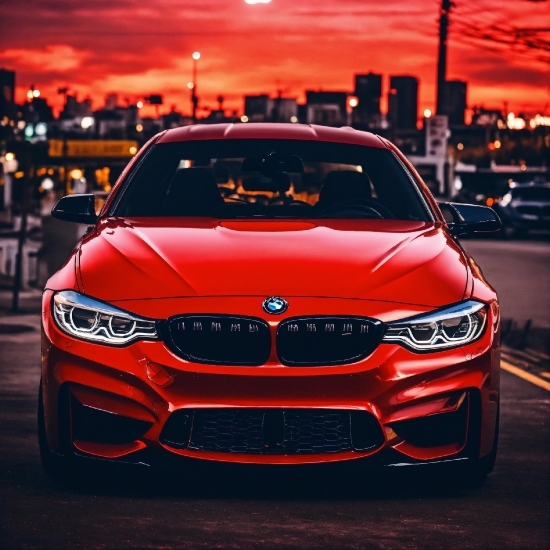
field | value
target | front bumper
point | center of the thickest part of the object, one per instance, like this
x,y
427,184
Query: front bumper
x,y
426,407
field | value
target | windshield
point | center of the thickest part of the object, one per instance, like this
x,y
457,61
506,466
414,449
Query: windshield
x,y
532,193
270,178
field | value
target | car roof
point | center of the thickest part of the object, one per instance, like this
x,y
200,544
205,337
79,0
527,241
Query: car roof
x,y
268,130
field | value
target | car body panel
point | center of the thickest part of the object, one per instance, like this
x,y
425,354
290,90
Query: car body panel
x,y
381,269
273,131
374,259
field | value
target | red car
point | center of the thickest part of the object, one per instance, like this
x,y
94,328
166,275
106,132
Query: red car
x,y
270,294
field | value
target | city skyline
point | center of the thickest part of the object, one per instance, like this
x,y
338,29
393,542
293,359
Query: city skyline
x,y
121,46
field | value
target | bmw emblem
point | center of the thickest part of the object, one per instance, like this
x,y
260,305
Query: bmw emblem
x,y
275,305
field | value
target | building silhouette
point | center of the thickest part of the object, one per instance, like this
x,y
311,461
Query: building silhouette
x,y
326,108
7,94
368,90
403,102
454,101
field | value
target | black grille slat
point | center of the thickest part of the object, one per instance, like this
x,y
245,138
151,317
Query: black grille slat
x,y
329,340
309,432
257,431
219,339
228,431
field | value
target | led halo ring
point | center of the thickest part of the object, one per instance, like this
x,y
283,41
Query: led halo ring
x,y
101,317
471,317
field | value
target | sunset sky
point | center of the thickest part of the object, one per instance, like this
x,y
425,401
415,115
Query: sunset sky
x,y
136,48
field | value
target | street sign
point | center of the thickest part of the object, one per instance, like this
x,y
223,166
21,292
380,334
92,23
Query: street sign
x,y
113,148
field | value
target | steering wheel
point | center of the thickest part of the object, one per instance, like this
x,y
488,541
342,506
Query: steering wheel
x,y
377,209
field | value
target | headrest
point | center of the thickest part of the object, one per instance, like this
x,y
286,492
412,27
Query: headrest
x,y
194,192
344,185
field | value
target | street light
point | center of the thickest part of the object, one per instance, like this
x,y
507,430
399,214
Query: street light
x,y
194,99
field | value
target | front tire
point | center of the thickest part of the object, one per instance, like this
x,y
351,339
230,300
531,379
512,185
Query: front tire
x,y
477,469
54,465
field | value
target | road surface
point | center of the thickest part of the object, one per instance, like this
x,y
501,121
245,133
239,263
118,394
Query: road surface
x,y
286,508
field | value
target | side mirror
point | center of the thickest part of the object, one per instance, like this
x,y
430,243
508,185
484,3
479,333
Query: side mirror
x,y
469,218
76,208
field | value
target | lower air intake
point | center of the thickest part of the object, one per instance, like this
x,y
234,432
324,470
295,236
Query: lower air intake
x,y
273,431
97,426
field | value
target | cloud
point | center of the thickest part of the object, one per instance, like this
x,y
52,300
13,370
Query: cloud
x,y
59,58
138,48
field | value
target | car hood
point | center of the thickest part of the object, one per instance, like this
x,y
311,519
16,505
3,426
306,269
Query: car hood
x,y
399,261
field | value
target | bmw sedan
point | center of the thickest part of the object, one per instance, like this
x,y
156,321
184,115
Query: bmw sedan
x,y
270,294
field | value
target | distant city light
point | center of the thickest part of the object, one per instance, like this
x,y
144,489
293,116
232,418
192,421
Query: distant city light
x,y
458,183
36,93
515,123
21,124
460,146
29,94
353,102
29,131
294,119
196,56
87,122
9,156
139,127
257,1
76,174
497,144
505,201
540,120
41,129
133,150
47,184
139,104
427,113
190,85
244,118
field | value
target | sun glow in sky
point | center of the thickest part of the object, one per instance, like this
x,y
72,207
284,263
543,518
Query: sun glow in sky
x,y
138,48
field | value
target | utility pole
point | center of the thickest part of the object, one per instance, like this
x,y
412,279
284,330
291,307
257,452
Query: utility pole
x,y
194,98
446,6
17,280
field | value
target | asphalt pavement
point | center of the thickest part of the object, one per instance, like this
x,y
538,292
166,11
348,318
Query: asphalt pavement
x,y
520,273
243,507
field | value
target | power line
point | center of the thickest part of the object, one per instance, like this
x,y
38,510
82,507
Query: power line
x,y
499,36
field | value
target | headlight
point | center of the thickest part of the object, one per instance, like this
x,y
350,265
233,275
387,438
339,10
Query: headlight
x,y
89,319
444,328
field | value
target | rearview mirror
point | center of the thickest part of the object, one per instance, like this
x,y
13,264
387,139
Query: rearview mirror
x,y
76,208
470,218
273,163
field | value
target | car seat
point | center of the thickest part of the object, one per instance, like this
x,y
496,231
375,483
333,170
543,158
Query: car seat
x,y
193,192
344,186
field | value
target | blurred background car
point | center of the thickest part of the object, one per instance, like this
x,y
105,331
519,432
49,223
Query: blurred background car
x,y
524,208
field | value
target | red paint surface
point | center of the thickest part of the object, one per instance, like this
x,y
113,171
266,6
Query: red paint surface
x,y
385,269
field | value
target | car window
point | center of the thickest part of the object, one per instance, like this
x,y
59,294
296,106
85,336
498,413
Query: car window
x,y
270,178
532,193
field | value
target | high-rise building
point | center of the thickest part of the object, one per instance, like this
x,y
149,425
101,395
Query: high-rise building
x,y
403,102
7,93
368,90
454,101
